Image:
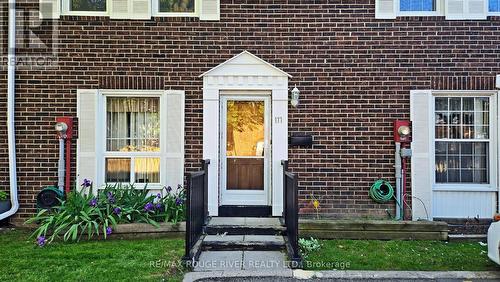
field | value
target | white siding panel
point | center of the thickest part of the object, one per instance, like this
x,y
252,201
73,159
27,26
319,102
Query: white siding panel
x,y
456,204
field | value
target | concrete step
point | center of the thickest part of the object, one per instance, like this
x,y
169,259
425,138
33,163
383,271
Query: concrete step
x,y
241,260
245,226
243,242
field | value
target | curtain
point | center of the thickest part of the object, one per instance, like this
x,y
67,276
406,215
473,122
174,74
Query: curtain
x,y
133,124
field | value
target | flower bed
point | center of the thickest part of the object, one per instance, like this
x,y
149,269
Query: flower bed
x,y
98,213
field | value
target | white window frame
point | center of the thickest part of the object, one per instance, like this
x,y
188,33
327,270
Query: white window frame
x,y
493,144
101,148
155,8
66,11
439,10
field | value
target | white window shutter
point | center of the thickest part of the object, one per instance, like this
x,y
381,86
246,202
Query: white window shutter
x,y
50,9
210,10
386,9
455,9
174,138
87,113
421,108
120,9
476,9
141,9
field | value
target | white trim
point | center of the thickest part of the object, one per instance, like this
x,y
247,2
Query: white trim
x,y
493,140
248,74
239,55
236,197
101,152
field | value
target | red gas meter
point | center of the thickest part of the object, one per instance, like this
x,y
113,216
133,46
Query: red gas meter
x,y
402,131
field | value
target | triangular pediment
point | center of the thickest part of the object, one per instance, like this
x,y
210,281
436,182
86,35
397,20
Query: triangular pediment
x,y
245,64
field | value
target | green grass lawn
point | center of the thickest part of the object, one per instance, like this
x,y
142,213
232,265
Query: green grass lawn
x,y
112,260
400,255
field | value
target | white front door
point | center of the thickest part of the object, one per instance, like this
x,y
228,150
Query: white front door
x,y
245,176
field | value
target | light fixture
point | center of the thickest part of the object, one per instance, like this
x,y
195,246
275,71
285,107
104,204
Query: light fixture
x,y
295,97
61,129
404,131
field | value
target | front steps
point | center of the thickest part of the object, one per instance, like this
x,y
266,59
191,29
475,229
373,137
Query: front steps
x,y
244,226
241,243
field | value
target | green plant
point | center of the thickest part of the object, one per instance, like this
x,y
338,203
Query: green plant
x,y
308,246
3,196
88,212
75,216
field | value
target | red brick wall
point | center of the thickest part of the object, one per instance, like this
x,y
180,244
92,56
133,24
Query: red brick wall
x,y
354,73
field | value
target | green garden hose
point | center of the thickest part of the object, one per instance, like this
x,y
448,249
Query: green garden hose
x,y
381,191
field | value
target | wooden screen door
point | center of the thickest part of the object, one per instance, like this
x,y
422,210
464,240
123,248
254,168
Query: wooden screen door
x,y
245,150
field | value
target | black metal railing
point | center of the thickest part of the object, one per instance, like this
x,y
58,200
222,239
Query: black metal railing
x,y
291,214
197,209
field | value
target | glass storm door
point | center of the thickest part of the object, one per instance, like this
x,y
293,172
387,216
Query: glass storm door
x,y
245,150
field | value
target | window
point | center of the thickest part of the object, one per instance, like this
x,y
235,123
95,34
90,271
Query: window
x,y
87,5
176,6
462,140
417,5
494,6
133,149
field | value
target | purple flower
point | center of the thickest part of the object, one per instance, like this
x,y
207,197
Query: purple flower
x,y
111,198
109,230
93,202
148,207
179,187
86,183
169,189
159,206
41,241
179,201
117,211
158,196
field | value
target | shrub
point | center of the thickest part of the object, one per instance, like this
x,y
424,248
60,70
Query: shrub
x,y
3,196
308,246
87,213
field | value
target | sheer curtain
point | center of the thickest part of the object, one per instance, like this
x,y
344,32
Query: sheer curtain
x,y
133,124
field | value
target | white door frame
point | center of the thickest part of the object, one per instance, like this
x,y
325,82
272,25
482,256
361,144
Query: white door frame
x,y
245,72
245,197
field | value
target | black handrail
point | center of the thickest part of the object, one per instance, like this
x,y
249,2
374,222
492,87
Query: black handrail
x,y
291,214
197,210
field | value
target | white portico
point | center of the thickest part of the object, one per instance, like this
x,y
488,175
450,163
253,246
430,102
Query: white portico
x,y
245,133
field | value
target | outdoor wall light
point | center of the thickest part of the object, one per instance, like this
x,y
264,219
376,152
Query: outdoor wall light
x,y
61,129
295,97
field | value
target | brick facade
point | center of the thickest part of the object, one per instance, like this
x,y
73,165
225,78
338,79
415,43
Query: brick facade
x,y
355,74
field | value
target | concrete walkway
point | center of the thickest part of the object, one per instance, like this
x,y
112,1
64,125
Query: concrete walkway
x,y
300,275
